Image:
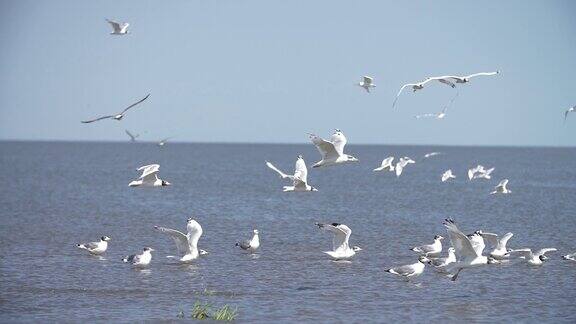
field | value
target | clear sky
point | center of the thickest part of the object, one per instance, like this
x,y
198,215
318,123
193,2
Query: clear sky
x,y
271,70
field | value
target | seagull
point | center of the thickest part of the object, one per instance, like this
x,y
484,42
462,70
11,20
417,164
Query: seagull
x,y
187,244
164,141
571,109
430,250
332,152
410,270
299,179
340,248
483,174
499,251
501,188
118,116
439,115
418,86
474,170
132,137
441,263
386,164
447,175
140,260
477,241
250,245
119,28
402,163
466,79
571,257
149,177
467,255
431,154
95,247
366,83
534,258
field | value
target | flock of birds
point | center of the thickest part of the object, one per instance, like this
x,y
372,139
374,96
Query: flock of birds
x,y
466,251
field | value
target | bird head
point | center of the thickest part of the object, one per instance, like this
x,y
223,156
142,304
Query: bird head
x,y
543,257
313,189
438,237
166,183
451,249
105,238
356,248
255,232
148,249
300,156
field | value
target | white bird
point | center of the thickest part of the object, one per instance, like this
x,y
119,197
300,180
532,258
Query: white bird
x,y
431,154
340,248
299,179
571,257
477,241
132,137
467,255
410,270
447,175
118,116
441,263
250,245
164,141
118,28
366,83
187,244
402,163
149,177
466,79
95,247
571,109
418,86
332,152
140,260
430,250
386,164
499,250
534,258
439,115
472,172
483,174
501,188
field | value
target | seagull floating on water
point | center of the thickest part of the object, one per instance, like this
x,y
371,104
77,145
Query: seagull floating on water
x,y
386,165
366,83
149,177
250,245
187,244
132,137
447,175
501,188
118,116
430,250
410,270
140,260
340,248
299,179
534,258
332,152
402,163
118,28
499,251
95,247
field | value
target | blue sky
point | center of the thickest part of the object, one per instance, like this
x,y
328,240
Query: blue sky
x,y
271,71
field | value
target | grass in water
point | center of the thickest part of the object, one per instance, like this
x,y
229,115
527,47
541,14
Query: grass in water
x,y
202,311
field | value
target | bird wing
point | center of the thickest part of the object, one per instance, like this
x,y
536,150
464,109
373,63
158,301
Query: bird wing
x,y
300,171
400,92
504,240
479,74
544,251
96,119
245,245
282,174
91,245
502,184
115,25
130,134
387,161
124,27
446,82
326,149
339,141
405,270
524,252
424,116
340,239
367,80
299,183
491,238
179,238
148,170
134,104
399,168
462,245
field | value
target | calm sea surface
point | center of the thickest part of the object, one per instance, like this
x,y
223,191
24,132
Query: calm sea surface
x,y
54,195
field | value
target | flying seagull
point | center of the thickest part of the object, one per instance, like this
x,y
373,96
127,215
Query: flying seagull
x,y
386,164
332,151
299,179
95,247
448,175
419,86
132,136
534,258
340,248
466,78
187,244
499,251
571,109
250,245
140,260
149,177
431,154
366,83
164,141
571,257
401,164
410,270
501,188
118,116
118,28
430,250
